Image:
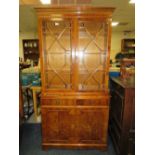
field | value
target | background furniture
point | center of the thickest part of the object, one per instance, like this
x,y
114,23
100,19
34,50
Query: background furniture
x,y
127,69
31,50
23,66
30,81
28,103
122,116
21,113
35,91
128,47
75,46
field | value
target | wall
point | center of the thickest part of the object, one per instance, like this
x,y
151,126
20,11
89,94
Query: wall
x,y
25,35
116,42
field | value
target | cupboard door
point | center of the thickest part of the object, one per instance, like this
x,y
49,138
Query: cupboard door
x,y
58,125
57,53
92,125
92,55
117,106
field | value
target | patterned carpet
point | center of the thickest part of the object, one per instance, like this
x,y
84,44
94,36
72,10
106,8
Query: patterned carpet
x,y
31,144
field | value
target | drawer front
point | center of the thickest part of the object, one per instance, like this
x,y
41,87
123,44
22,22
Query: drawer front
x,y
92,102
58,102
75,102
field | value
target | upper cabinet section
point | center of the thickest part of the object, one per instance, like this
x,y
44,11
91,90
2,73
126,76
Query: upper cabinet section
x,y
75,48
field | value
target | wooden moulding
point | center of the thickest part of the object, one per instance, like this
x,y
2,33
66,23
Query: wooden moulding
x,y
78,11
46,146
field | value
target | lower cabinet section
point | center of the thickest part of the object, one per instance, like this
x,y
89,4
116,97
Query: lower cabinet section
x,y
75,126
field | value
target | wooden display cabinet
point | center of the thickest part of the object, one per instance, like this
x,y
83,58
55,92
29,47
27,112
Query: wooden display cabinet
x,y
31,50
122,116
75,52
128,45
128,48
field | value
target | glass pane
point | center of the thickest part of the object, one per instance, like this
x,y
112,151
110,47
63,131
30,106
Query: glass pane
x,y
91,52
57,50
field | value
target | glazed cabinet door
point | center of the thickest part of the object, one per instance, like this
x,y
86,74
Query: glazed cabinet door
x,y
58,125
75,54
57,54
92,55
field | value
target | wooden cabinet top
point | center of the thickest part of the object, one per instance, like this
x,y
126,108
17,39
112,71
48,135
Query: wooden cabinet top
x,y
123,83
80,11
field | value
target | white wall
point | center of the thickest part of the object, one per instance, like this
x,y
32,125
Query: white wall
x,y
25,35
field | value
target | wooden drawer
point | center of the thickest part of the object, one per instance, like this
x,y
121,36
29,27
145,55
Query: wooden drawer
x,y
92,102
78,102
58,102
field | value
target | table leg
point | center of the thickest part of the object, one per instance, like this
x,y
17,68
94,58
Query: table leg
x,y
28,101
35,104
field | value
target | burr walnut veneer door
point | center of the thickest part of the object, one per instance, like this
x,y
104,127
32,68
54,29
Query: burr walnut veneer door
x,y
92,125
58,125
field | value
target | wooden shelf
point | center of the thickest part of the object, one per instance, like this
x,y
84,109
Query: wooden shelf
x,y
128,47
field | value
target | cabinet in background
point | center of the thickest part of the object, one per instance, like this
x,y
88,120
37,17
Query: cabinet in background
x,y
122,116
31,50
128,47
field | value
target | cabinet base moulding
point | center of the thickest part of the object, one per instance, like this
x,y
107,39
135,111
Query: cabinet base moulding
x,y
46,146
